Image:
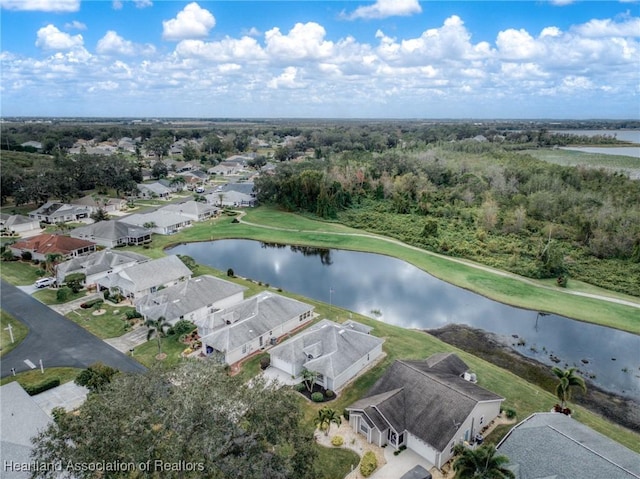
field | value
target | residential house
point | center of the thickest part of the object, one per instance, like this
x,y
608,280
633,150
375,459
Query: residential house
x,y
44,244
52,212
225,168
233,194
144,278
194,299
153,190
19,224
21,419
113,233
32,145
547,445
194,210
173,186
425,406
110,205
254,324
160,222
98,264
335,352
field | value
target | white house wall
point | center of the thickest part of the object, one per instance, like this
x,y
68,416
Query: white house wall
x,y
355,368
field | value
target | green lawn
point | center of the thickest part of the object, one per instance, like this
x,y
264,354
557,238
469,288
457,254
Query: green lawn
x,y
332,463
33,377
593,160
111,324
49,296
171,346
18,329
19,273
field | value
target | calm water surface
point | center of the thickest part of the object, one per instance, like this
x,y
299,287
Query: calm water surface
x,y
397,292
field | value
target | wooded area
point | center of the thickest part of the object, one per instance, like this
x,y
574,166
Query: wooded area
x,y
461,189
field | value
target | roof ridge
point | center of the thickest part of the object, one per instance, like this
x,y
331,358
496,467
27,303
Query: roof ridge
x,y
439,381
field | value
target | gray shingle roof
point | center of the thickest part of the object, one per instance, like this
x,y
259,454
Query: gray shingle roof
x,y
193,208
328,348
110,230
254,317
162,219
555,445
21,418
100,261
149,274
186,296
432,402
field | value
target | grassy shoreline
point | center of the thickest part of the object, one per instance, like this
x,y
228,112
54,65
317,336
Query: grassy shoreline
x,y
270,225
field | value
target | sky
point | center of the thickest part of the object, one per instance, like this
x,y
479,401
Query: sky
x,y
552,59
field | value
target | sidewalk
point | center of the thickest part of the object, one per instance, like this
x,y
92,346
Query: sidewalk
x,y
68,396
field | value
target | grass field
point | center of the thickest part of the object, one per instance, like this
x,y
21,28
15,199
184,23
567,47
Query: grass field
x,y
18,329
591,160
111,324
50,296
31,378
19,273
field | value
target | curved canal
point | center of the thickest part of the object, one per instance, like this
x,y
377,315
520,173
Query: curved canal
x,y
396,292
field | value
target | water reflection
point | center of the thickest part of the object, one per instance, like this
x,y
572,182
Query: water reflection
x,y
398,293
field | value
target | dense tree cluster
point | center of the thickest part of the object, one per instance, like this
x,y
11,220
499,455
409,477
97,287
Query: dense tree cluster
x,y
191,421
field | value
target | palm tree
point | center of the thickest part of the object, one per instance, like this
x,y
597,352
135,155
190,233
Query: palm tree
x,y
326,416
157,326
481,463
52,260
566,380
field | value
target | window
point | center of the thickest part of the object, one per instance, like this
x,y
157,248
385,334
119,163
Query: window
x,y
481,420
364,429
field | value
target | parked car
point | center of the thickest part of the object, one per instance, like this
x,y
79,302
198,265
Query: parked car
x,y
199,189
45,282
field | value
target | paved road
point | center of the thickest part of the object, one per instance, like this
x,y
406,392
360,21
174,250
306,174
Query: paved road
x,y
53,338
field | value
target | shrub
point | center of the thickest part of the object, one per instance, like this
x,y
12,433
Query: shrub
x,y
93,303
509,412
329,393
63,294
132,314
96,376
106,294
34,389
26,255
265,362
183,326
300,387
345,414
368,464
337,441
317,397
230,273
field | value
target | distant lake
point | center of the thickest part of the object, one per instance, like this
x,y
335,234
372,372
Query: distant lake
x,y
613,150
396,292
623,135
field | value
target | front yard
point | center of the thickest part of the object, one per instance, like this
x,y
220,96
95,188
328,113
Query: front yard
x,y
106,322
18,330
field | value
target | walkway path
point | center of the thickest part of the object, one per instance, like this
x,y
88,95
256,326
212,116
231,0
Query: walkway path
x,y
130,340
471,264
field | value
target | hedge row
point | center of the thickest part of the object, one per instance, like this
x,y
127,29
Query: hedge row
x,y
43,386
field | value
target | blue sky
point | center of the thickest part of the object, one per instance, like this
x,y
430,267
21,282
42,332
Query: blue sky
x,y
328,59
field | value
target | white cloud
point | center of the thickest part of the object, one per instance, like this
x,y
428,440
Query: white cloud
x,y
112,43
561,3
226,50
192,22
75,25
50,38
287,79
609,28
387,8
42,5
142,3
119,4
518,45
304,41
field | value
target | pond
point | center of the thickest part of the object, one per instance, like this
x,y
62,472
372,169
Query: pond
x,y
396,292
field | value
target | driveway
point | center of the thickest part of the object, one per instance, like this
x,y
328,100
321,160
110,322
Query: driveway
x,y
54,339
69,396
